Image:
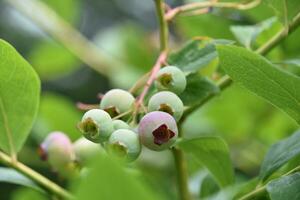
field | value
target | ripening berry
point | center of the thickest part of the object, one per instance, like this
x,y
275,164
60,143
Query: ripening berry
x,y
58,151
158,130
170,78
119,124
96,125
166,102
117,101
85,150
125,144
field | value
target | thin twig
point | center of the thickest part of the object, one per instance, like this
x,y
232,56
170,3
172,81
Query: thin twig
x,y
38,178
208,4
85,107
161,59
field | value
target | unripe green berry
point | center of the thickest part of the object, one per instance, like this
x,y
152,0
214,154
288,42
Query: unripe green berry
x,y
96,125
167,102
85,150
119,124
158,130
58,151
170,78
125,144
117,101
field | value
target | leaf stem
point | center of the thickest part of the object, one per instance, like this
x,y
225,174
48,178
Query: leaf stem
x,y
38,178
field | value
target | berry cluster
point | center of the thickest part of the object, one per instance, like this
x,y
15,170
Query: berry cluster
x,y
113,128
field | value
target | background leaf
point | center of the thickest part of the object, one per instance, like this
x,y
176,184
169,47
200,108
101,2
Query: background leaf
x,y
19,98
12,176
108,180
258,75
197,89
285,9
279,154
193,56
213,153
285,188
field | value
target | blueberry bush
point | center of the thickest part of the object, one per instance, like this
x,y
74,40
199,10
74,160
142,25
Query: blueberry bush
x,y
195,99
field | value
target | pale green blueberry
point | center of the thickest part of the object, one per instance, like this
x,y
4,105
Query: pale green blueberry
x,y
119,124
125,144
117,101
167,102
96,125
170,78
85,150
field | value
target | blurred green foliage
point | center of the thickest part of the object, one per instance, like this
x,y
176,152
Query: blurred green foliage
x,y
247,123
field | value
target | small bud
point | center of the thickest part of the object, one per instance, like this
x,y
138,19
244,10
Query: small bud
x,y
119,124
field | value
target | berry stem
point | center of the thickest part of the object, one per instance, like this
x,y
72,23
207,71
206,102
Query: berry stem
x,y
182,174
163,25
38,178
85,107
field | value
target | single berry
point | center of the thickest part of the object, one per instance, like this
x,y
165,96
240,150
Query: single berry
x,y
58,151
125,144
96,125
85,150
158,130
170,78
117,101
166,102
119,124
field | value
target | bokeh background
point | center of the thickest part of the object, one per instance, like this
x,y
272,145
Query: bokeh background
x,y
126,31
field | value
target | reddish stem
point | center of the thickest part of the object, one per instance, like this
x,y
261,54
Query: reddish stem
x,y
160,61
84,106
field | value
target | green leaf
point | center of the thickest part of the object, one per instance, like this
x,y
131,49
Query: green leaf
x,y
247,35
196,55
208,187
197,89
285,188
286,10
19,98
12,176
279,154
213,153
108,180
192,57
258,75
